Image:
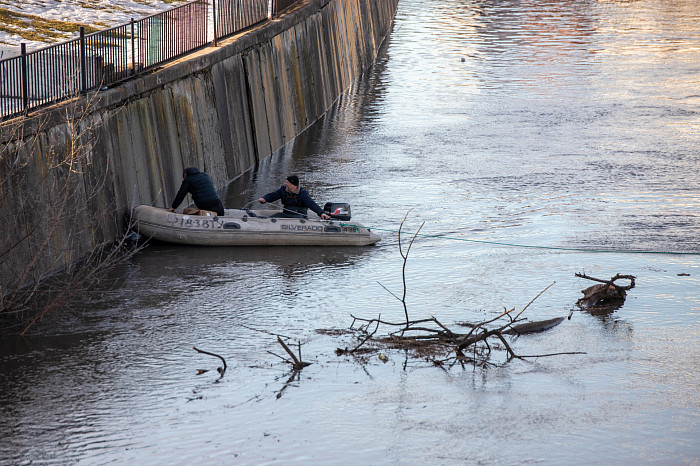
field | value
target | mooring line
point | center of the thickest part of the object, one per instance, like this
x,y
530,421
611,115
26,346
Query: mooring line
x,y
556,248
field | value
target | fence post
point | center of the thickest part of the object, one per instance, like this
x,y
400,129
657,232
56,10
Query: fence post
x,y
133,49
83,66
213,13
25,78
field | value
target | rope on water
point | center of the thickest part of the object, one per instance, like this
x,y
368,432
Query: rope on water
x,y
556,248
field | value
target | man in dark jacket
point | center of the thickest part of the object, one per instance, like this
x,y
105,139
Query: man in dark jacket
x,y
295,200
198,184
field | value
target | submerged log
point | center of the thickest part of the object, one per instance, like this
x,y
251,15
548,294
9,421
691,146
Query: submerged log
x,y
605,294
598,295
533,327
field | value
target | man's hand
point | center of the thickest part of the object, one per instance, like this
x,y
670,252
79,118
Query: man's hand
x,y
171,210
262,200
325,216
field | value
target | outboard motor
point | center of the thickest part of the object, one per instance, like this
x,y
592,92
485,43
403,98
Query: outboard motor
x,y
337,210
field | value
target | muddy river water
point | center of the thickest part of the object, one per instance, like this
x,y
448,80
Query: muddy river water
x,y
535,140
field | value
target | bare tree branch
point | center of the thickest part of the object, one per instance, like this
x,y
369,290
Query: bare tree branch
x,y
221,371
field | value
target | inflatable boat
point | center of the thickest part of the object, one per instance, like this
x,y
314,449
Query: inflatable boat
x,y
246,227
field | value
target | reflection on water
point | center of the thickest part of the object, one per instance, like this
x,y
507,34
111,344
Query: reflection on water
x,y
563,125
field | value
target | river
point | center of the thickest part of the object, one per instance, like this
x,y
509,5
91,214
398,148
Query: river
x,y
533,140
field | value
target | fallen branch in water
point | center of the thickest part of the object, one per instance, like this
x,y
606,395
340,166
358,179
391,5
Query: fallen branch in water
x,y
612,280
220,370
533,327
338,351
297,364
606,296
437,343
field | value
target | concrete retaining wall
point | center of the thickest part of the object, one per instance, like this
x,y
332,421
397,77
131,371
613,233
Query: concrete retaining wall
x,y
222,109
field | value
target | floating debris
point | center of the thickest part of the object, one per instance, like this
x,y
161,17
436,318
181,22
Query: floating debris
x,y
605,296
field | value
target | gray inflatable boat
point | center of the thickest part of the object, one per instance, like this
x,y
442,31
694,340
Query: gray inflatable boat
x,y
246,227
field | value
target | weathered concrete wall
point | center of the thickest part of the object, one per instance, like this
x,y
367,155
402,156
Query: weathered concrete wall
x,y
222,109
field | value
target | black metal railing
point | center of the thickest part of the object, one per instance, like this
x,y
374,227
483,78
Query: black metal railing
x,y
233,16
113,46
41,77
13,88
171,34
92,61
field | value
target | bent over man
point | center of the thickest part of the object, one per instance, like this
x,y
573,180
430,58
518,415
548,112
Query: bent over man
x,y
201,187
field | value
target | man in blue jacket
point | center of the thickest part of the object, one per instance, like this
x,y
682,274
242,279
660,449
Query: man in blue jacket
x,y
198,184
295,200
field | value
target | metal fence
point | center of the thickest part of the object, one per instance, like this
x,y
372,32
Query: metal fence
x,y
232,16
92,61
171,34
112,46
43,76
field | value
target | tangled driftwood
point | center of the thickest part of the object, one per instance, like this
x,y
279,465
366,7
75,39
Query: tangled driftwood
x,y
606,295
435,342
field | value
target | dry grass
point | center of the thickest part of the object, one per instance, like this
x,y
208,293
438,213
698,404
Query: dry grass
x,y
36,28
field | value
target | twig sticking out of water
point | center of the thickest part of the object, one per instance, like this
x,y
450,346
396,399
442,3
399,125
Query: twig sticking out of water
x,y
612,280
297,364
405,259
366,335
219,369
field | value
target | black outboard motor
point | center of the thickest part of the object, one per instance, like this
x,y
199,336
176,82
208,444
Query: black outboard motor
x,y
337,210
